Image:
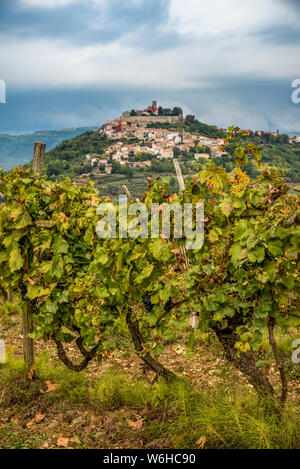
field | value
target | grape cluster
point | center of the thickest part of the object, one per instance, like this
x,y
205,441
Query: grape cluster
x,y
44,258
23,288
168,305
147,302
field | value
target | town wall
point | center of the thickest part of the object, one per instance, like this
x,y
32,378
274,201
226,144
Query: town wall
x,y
148,119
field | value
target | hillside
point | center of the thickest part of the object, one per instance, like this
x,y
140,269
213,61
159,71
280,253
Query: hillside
x,y
68,159
91,154
17,149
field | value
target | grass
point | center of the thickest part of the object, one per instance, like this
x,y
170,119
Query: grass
x,y
115,390
219,417
226,418
218,413
16,441
284,344
70,384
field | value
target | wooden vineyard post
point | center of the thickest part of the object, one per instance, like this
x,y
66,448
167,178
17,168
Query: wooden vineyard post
x,y
28,349
194,320
179,175
129,197
38,157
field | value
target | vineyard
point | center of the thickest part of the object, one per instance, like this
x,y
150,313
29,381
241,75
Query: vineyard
x,y
98,331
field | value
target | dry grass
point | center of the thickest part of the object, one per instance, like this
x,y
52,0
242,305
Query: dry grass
x,y
112,404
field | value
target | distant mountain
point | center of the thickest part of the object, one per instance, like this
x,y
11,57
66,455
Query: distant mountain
x,y
18,149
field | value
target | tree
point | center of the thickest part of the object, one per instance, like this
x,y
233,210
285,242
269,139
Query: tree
x,y
127,170
189,119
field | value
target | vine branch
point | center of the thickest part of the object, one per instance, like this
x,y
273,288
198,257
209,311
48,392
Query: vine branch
x,y
88,355
150,361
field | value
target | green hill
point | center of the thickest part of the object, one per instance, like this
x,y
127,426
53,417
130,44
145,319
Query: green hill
x,y
68,159
18,149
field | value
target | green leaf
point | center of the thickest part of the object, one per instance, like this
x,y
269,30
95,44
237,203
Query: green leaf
x,y
3,256
60,246
288,281
23,221
15,261
271,271
57,266
237,254
251,242
145,273
257,255
226,207
275,247
50,307
63,297
160,250
89,235
103,258
209,304
101,292
35,291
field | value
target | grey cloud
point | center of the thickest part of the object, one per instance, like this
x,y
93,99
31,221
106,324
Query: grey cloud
x,y
94,23
280,35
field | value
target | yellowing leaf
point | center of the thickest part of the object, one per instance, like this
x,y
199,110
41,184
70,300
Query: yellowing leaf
x,y
23,221
15,259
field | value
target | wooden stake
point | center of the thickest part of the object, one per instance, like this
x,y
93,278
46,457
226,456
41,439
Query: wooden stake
x,y
28,349
38,157
129,197
194,319
179,175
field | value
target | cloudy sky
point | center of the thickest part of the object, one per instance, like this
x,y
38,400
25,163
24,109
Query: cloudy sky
x,y
72,63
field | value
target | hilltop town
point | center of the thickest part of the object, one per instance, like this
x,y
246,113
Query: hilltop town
x,y
142,144
139,137
141,132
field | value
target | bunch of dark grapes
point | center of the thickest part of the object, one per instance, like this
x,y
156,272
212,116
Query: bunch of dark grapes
x,y
168,305
147,302
44,258
23,288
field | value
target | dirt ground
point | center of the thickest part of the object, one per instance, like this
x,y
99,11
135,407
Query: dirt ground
x,y
45,419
